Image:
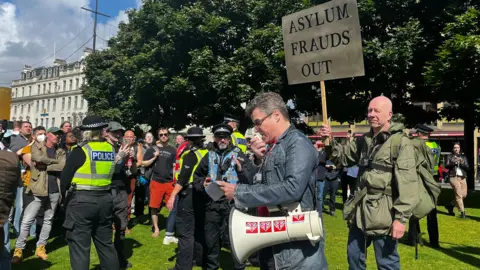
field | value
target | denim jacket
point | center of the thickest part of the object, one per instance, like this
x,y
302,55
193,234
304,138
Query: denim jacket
x,y
288,175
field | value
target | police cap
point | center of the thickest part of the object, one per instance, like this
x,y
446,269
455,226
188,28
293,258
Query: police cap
x,y
222,130
93,122
114,126
229,118
422,128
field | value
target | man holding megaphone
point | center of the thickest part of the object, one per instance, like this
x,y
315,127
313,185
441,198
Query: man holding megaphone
x,y
284,181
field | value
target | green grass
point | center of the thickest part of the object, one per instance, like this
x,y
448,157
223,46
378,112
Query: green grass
x,y
459,240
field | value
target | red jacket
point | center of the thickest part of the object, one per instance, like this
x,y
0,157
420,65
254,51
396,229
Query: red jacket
x,y
180,150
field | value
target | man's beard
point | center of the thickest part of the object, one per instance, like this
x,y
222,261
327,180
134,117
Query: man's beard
x,y
222,146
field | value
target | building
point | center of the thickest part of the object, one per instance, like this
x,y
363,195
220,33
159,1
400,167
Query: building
x,y
48,96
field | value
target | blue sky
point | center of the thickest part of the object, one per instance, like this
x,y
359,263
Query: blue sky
x,y
32,30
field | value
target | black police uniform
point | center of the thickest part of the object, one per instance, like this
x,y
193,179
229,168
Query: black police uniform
x,y
217,212
89,215
432,221
187,211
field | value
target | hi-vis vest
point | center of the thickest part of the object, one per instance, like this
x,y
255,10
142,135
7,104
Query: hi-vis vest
x,y
96,173
436,155
239,141
214,160
179,154
200,153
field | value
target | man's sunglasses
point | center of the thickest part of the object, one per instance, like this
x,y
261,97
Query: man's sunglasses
x,y
163,134
259,122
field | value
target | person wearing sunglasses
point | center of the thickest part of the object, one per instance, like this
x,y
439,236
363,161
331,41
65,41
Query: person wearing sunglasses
x,y
286,174
161,158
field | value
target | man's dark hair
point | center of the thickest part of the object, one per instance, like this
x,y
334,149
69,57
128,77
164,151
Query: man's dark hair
x,y
163,128
38,128
25,122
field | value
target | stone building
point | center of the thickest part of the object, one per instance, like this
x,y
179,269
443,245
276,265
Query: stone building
x,y
48,96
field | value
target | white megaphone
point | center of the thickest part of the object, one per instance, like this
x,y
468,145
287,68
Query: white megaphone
x,y
250,233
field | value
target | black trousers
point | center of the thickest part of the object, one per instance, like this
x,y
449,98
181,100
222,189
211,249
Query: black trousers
x,y
140,198
432,227
120,221
216,213
347,181
185,225
89,216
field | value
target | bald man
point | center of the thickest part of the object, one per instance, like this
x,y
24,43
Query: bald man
x,y
382,202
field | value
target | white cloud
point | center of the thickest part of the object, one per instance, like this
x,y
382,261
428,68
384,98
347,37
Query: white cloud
x,y
31,28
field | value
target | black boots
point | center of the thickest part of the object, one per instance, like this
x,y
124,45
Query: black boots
x,y
450,209
463,216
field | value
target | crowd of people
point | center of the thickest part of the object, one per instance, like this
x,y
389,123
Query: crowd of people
x,y
92,177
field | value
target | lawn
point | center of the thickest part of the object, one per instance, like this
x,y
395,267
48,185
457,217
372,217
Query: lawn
x,y
459,240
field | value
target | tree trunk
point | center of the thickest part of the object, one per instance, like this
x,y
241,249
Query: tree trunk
x,y
468,131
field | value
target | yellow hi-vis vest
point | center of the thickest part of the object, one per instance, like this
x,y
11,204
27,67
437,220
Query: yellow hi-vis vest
x,y
435,148
200,153
96,173
239,140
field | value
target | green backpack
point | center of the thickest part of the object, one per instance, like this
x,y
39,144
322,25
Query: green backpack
x,y
429,189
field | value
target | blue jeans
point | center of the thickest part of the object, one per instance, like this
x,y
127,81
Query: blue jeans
x,y
170,230
18,214
5,258
386,253
320,187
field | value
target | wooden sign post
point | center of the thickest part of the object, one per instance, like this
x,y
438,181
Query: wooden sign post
x,y
323,43
323,96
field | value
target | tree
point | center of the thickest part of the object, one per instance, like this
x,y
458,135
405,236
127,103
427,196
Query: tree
x,y
454,77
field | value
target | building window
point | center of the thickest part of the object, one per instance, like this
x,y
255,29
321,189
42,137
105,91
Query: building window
x,y
68,119
75,102
16,92
55,89
53,121
77,84
15,110
43,106
38,105
83,81
41,122
30,90
21,109
71,85
81,103
36,122
69,103
54,104
49,88
28,108
46,123
63,105
48,105
62,119
44,88
38,89
64,86
23,91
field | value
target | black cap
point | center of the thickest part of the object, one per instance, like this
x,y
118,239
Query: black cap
x,y
194,133
422,128
230,118
93,122
114,126
222,130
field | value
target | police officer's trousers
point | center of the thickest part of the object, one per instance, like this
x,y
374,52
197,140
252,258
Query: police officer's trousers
x,y
185,225
215,215
120,221
89,216
432,227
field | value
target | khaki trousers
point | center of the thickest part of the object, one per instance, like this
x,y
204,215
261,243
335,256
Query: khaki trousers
x,y
459,186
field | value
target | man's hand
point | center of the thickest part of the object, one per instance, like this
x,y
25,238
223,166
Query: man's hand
x,y
258,147
325,131
398,229
156,154
207,182
171,203
228,189
239,165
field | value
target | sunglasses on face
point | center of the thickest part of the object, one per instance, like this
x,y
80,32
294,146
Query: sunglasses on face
x,y
163,134
259,122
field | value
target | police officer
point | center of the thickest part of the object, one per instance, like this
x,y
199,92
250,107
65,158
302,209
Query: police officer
x,y
237,138
223,163
423,132
186,222
120,184
89,202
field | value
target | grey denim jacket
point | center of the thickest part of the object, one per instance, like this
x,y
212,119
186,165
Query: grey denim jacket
x,y
288,175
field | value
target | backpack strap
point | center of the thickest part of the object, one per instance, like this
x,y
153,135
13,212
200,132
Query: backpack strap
x,y
395,146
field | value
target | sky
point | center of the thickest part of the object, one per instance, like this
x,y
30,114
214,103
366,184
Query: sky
x,y
34,32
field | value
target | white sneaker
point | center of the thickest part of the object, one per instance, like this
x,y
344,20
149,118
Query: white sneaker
x,y
169,240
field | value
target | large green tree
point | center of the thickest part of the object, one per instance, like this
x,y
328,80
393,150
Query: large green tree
x,y
179,62
454,77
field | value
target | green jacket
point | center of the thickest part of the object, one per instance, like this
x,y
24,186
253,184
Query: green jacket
x,y
385,200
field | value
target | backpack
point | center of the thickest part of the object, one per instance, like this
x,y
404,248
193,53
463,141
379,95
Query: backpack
x,y
429,189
